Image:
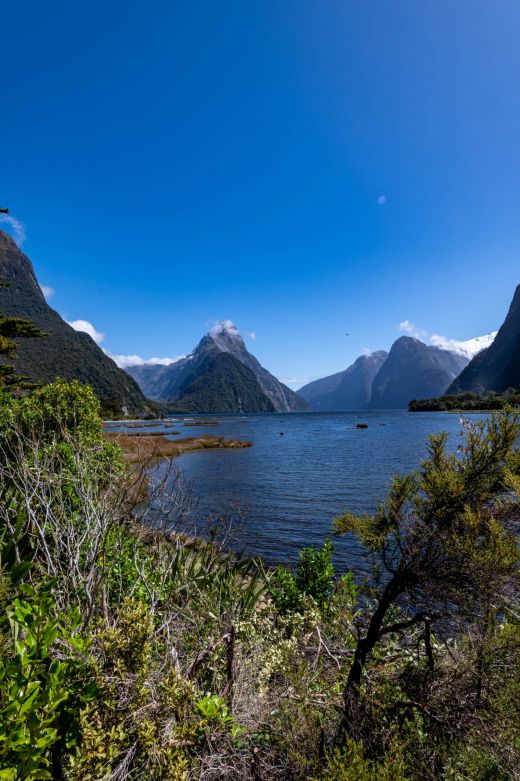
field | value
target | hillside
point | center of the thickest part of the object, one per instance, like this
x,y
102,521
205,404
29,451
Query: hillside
x,y
221,384
347,390
165,383
414,370
498,367
64,352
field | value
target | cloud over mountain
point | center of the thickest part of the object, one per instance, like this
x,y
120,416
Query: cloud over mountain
x,y
124,361
88,328
14,227
466,347
469,347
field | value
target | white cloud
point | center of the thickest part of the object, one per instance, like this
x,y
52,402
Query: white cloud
x,y
367,351
252,335
124,361
224,326
47,291
407,327
88,328
296,382
15,227
469,347
466,347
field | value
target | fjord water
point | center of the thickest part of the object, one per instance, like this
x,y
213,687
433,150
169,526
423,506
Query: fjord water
x,y
302,471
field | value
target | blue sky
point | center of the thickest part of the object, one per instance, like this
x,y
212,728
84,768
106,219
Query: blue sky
x,y
305,169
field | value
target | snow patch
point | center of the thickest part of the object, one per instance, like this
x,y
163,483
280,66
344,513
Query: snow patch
x,y
468,348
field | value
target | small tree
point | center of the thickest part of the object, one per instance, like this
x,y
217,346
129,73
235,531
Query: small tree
x,y
11,328
445,543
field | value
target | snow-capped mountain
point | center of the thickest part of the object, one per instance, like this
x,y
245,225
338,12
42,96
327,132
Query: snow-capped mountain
x,y
468,348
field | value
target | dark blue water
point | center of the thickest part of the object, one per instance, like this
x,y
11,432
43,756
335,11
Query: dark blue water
x,y
283,493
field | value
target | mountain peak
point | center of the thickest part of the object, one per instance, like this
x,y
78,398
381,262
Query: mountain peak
x,y
226,336
7,242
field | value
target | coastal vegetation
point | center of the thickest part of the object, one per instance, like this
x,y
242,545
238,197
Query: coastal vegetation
x,y
468,402
128,652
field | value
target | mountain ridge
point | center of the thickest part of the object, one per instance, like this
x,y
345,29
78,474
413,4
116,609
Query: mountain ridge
x,y
63,352
414,370
498,366
350,389
164,383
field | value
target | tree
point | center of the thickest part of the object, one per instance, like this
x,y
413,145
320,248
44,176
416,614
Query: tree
x,y
445,542
11,328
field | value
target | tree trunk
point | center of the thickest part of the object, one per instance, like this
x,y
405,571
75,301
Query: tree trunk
x,y
393,589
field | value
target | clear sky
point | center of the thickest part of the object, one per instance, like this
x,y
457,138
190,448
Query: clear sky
x,y
305,169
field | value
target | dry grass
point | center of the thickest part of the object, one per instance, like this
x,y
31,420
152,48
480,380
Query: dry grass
x,y
138,446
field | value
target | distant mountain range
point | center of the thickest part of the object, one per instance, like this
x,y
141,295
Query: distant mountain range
x,y
205,381
383,380
498,366
347,390
63,352
414,370
221,375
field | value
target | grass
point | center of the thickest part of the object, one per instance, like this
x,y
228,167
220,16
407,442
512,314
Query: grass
x,y
138,446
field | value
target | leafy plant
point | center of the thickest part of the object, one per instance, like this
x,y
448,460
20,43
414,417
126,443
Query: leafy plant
x,y
313,577
216,712
35,687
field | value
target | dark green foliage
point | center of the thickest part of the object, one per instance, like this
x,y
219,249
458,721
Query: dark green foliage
x,y
12,328
221,384
468,402
313,577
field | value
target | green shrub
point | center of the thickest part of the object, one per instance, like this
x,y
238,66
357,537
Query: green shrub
x,y
313,577
37,692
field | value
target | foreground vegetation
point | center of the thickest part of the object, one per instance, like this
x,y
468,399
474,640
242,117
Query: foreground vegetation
x,y
128,654
468,402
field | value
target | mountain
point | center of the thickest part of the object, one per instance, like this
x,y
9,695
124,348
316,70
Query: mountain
x,y
347,390
221,383
414,370
497,367
64,352
165,383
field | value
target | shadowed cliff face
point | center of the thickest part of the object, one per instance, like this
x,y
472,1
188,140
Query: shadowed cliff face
x,y
414,370
498,367
165,383
64,352
347,390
